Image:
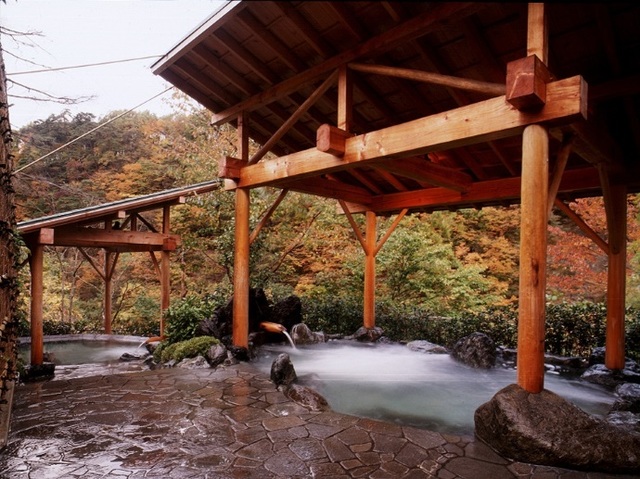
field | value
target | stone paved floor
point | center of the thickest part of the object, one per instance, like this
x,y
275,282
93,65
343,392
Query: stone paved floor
x,y
225,423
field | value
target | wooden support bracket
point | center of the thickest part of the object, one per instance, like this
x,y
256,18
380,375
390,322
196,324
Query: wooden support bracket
x,y
527,80
331,139
229,168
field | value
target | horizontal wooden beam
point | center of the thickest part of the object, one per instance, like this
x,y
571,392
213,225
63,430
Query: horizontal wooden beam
x,y
484,121
332,189
492,191
486,88
122,240
428,172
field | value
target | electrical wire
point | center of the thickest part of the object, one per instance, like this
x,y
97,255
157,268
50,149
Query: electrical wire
x,y
47,70
91,131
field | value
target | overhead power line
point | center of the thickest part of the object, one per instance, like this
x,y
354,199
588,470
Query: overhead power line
x,y
91,131
46,70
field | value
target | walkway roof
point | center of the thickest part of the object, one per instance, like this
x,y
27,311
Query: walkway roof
x,y
461,144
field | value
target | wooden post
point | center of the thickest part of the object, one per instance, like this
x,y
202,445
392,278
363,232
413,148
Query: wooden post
x,y
37,335
165,270
616,280
242,248
370,271
533,258
107,291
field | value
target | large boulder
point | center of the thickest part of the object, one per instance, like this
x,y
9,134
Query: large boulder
x,y
367,335
546,429
476,350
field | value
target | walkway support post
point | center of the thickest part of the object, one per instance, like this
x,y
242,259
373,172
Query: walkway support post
x,y
165,270
533,228
241,259
36,262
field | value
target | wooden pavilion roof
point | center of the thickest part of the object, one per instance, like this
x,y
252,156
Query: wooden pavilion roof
x,y
92,226
414,141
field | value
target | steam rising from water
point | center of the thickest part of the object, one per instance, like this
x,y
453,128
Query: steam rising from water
x,y
393,383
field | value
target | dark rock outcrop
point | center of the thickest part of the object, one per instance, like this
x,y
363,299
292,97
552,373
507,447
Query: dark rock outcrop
x,y
476,350
287,312
282,371
301,334
370,335
422,346
546,429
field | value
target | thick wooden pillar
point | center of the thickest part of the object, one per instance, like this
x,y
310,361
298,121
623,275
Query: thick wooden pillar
x,y
533,258
36,263
108,293
370,271
241,281
617,274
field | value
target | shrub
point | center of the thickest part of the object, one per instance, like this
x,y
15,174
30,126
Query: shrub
x,y
183,318
184,349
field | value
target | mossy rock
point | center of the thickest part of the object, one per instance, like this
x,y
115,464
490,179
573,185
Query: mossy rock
x,y
184,349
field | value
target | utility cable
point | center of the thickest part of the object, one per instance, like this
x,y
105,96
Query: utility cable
x,y
91,131
46,70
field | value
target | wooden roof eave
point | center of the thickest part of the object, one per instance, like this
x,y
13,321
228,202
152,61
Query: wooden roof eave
x,y
480,122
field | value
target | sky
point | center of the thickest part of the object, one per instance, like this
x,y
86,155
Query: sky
x,y
80,32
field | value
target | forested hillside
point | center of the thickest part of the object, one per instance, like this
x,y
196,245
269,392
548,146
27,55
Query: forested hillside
x,y
446,262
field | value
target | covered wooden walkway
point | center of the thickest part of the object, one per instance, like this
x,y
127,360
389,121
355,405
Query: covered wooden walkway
x,y
116,227
397,107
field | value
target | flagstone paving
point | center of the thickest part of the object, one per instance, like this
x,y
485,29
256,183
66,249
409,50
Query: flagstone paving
x,y
230,422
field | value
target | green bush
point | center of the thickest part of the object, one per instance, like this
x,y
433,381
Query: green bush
x,y
190,348
571,329
183,317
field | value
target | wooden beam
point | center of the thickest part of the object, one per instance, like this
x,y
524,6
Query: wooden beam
x,y
107,293
302,109
391,229
493,191
485,88
415,27
561,162
329,188
488,120
586,229
527,80
331,140
428,172
267,216
100,238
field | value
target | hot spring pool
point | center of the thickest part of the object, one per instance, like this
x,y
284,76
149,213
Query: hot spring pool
x,y
392,383
84,348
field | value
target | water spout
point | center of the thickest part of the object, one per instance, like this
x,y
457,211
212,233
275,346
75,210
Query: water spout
x,y
277,328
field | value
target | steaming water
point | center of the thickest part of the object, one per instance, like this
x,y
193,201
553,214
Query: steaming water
x,y
83,351
293,345
395,384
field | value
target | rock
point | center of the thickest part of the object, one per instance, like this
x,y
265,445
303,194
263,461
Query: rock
x,y
282,371
301,334
306,397
239,352
625,419
216,354
38,372
287,312
476,350
597,356
546,429
133,357
370,335
422,346
628,398
600,374
199,362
